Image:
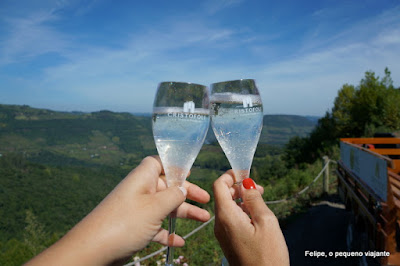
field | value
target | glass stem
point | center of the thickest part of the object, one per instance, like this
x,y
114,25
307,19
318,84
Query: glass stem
x,y
171,233
240,175
239,199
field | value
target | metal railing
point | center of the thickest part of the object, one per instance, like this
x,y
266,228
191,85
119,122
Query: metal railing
x,y
324,170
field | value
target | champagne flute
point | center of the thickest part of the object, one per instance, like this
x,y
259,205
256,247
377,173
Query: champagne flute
x,y
180,123
237,119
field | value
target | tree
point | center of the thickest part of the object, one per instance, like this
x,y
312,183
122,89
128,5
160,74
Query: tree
x,y
34,235
375,105
342,108
370,107
295,151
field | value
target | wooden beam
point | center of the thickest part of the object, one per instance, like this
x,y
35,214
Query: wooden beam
x,y
372,140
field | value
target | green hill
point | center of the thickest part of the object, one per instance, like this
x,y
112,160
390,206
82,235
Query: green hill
x,y
107,137
100,137
56,166
278,129
67,153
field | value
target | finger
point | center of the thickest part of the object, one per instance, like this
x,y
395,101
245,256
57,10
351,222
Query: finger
x,y
162,182
189,211
260,189
235,190
147,173
222,193
162,237
196,193
168,200
244,208
256,206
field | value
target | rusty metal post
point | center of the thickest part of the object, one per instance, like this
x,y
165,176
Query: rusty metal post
x,y
325,181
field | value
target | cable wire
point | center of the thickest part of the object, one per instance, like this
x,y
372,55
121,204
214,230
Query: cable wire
x,y
213,218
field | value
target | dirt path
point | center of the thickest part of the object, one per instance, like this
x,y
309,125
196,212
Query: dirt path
x,y
322,229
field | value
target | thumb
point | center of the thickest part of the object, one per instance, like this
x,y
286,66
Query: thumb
x,y
169,199
254,203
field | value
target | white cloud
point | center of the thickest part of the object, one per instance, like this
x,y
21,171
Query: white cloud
x,y
388,37
214,6
309,84
148,50
31,36
118,77
189,49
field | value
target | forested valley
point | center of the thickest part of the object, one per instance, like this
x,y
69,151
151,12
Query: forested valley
x,y
55,167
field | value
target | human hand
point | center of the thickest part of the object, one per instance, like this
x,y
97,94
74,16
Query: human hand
x,y
127,219
254,240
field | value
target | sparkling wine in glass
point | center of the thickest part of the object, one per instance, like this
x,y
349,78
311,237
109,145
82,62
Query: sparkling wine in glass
x,y
237,119
181,119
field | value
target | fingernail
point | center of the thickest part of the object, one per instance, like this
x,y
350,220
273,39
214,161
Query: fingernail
x,y
184,191
248,183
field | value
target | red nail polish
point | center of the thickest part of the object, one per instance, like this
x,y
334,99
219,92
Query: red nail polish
x,y
248,183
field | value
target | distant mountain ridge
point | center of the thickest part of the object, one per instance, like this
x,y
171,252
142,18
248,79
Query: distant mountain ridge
x,y
102,137
279,129
289,120
24,128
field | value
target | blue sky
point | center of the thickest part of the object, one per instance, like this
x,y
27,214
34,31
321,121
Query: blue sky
x,y
90,55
